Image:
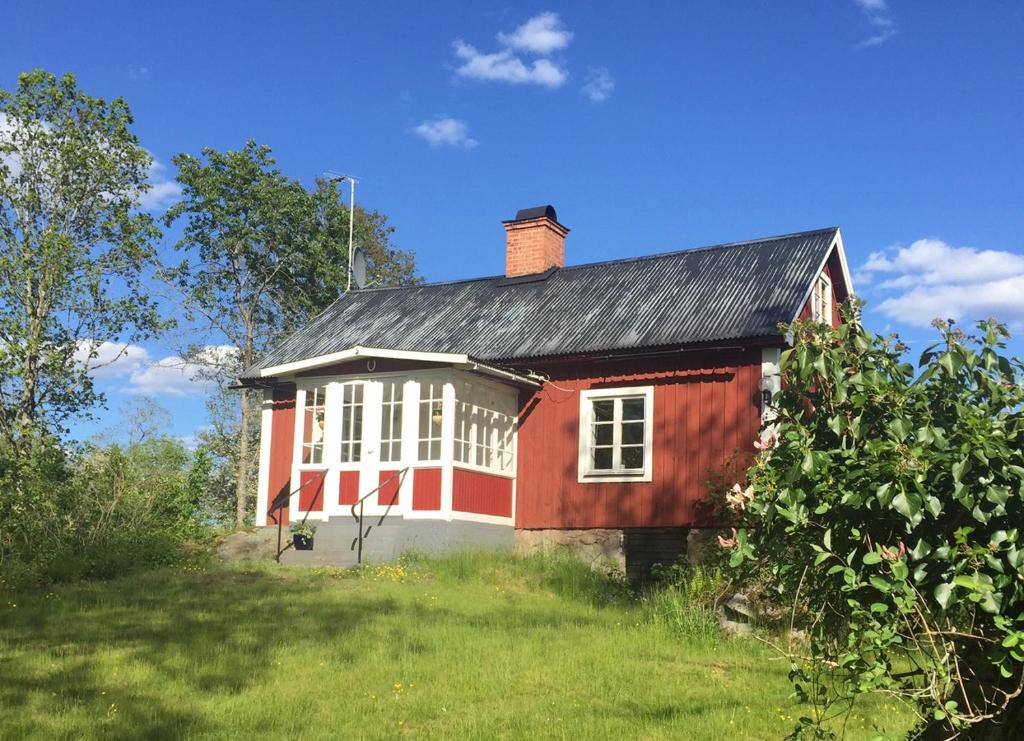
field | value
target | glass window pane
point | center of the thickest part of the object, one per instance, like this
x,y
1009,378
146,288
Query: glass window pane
x,y
632,409
632,433
604,410
603,434
602,459
633,457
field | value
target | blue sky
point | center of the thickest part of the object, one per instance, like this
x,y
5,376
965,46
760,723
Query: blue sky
x,y
650,127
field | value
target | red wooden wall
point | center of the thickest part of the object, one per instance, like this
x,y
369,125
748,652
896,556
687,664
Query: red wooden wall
x,y
389,483
706,405
282,439
481,493
426,488
348,487
311,495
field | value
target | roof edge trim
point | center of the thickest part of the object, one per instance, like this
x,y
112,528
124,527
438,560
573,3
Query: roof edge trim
x,y
459,360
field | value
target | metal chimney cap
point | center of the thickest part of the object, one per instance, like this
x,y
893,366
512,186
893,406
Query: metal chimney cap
x,y
537,212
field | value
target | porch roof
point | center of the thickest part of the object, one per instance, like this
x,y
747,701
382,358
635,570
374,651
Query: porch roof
x,y
456,360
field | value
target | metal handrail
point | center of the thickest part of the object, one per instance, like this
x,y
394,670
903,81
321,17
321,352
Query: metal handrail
x,y
360,535
279,503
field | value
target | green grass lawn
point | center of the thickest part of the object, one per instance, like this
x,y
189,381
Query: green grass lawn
x,y
464,647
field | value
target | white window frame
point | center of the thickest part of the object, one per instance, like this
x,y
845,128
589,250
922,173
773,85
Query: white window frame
x,y
586,474
821,304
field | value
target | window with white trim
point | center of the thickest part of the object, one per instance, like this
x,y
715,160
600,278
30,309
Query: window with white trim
x,y
351,422
391,422
484,435
313,426
616,434
431,414
821,300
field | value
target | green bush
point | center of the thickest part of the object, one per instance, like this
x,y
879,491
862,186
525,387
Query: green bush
x,y
888,507
98,512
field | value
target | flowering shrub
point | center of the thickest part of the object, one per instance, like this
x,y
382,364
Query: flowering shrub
x,y
887,506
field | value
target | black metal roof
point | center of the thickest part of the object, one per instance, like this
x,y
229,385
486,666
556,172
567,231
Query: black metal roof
x,y
726,292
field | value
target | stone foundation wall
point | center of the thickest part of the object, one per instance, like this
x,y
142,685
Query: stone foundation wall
x,y
595,547
634,551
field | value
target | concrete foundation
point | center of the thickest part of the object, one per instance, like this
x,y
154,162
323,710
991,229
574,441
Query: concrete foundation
x,y
335,542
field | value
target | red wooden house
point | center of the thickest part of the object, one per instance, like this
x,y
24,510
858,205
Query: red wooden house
x,y
582,404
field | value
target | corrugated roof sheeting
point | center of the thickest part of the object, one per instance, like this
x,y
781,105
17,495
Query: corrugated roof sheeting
x,y
708,294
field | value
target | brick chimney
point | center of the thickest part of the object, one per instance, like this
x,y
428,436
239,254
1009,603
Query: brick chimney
x,y
535,241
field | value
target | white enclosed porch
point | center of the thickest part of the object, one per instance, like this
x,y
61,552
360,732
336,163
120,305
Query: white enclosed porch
x,y
399,435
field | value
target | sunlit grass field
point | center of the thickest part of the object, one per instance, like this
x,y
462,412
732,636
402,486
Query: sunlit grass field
x,y
469,646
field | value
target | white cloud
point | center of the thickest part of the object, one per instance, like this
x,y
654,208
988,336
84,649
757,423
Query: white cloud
x,y
539,36
877,14
140,373
162,191
542,34
504,66
932,279
599,85
138,72
445,131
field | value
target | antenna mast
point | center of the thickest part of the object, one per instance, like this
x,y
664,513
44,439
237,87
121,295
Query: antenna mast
x,y
351,180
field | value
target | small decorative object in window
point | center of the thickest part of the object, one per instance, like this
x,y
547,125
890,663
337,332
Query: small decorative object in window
x,y
435,416
302,536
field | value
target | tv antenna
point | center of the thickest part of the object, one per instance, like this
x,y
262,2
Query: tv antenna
x,y
335,177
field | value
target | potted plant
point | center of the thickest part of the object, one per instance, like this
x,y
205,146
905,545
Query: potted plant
x,y
302,536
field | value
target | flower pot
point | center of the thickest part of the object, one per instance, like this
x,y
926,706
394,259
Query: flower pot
x,y
302,542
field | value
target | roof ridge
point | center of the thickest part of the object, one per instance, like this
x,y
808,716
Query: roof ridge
x,y
613,261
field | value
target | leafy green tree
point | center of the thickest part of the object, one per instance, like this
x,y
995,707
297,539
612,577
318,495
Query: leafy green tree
x,y
887,507
261,256
73,249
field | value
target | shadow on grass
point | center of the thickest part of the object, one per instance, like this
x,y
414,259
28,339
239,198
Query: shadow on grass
x,y
214,632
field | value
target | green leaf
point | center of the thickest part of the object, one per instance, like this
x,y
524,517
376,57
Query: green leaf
x,y
872,558
943,593
828,539
907,505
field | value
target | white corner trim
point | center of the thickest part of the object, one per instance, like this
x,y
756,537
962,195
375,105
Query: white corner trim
x,y
837,245
263,476
584,475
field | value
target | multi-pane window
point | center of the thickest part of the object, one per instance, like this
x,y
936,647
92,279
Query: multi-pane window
x,y
351,422
821,300
615,433
483,435
431,413
313,426
391,422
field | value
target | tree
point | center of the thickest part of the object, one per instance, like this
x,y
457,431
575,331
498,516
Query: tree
x,y
262,255
887,508
73,247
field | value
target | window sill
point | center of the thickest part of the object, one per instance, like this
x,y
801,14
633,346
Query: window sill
x,y
615,477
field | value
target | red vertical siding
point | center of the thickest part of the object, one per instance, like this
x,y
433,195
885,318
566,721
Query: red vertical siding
x,y
389,482
706,406
426,489
481,493
348,487
282,441
311,495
